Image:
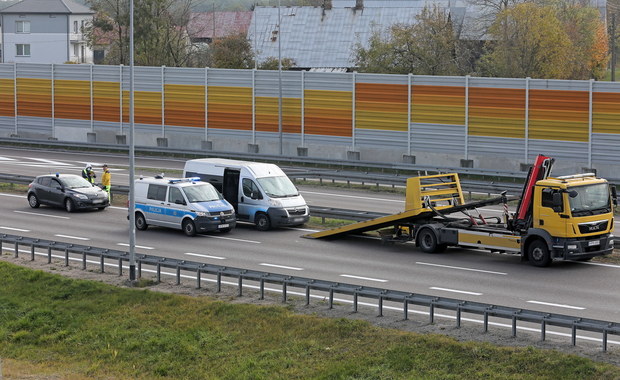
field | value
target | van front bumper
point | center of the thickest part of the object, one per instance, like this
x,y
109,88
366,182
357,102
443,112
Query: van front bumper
x,y
207,224
279,217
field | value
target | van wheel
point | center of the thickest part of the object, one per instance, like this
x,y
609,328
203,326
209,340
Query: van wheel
x,y
33,201
262,222
538,253
427,240
189,227
141,222
69,205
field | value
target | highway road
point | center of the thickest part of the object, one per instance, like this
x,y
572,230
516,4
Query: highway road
x,y
579,289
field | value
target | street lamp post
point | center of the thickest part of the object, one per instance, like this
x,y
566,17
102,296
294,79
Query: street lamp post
x,y
280,77
132,198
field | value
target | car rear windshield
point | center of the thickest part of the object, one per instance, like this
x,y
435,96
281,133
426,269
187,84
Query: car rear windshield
x,y
75,182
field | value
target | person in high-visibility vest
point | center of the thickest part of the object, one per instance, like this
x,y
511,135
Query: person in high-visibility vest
x,y
106,179
88,174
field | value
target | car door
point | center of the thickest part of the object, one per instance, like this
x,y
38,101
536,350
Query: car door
x,y
156,204
42,189
56,192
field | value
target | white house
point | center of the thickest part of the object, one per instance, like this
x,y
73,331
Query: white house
x,y
45,31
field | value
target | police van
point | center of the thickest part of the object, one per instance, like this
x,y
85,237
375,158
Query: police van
x,y
261,193
182,203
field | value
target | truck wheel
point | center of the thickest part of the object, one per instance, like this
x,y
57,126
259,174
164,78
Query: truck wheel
x,y
538,253
189,227
427,240
141,222
262,222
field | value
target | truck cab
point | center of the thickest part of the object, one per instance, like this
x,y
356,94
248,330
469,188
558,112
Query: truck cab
x,y
574,215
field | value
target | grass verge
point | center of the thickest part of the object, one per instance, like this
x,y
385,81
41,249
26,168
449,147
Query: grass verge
x,y
64,328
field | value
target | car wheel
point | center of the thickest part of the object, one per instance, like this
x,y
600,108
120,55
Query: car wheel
x,y
189,227
33,201
262,222
141,222
538,253
69,205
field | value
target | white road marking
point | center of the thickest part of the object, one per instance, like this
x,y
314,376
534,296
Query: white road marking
x,y
205,256
118,208
233,239
71,237
557,305
461,268
39,214
363,278
353,196
599,264
455,291
49,162
13,195
6,159
137,246
280,266
300,229
14,229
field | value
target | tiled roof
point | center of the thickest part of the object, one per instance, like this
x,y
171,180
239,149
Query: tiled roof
x,y
47,6
222,24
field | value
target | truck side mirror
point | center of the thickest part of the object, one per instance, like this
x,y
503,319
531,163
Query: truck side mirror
x,y
614,195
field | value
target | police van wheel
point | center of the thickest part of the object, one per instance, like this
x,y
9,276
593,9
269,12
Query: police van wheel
x,y
141,222
69,205
262,222
33,201
189,227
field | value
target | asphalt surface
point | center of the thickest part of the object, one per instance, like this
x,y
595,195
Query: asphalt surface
x,y
579,289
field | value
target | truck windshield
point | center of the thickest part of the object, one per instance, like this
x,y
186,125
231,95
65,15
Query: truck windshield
x,y
201,193
278,187
590,200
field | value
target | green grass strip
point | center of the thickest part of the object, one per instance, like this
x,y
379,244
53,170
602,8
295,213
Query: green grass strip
x,y
84,329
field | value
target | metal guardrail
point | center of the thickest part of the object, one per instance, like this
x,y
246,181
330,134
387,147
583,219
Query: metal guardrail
x,y
310,284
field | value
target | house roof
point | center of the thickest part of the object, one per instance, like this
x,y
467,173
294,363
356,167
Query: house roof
x,y
316,37
218,24
47,6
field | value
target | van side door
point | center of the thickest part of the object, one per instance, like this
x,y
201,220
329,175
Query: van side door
x,y
252,200
176,207
155,210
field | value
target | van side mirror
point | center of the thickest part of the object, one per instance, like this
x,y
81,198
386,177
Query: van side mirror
x,y
254,195
180,202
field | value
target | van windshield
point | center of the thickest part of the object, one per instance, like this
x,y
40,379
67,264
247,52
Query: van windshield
x,y
278,187
201,193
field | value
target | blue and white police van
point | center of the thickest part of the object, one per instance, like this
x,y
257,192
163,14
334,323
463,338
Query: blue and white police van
x,y
261,193
182,203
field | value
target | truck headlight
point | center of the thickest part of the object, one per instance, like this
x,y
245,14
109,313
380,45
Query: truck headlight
x,y
611,242
571,246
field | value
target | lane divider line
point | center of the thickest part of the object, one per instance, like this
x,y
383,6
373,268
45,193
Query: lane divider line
x,y
461,268
137,246
557,305
363,278
455,291
205,256
39,214
14,229
280,266
72,237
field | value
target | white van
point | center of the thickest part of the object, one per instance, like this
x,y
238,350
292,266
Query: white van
x,y
182,203
260,193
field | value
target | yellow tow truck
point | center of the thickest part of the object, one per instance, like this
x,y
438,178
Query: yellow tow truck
x,y
557,218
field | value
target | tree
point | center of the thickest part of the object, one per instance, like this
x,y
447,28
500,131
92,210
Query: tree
x,y
160,35
233,52
271,63
430,46
528,40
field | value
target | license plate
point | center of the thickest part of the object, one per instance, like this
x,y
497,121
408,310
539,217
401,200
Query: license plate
x,y
222,226
97,201
593,243
298,220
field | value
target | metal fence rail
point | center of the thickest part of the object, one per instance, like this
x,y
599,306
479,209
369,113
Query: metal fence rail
x,y
309,284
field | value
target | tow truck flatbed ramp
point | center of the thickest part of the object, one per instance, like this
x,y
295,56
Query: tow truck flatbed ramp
x,y
421,191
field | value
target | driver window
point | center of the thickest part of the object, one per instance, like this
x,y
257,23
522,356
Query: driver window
x,y
175,195
55,184
249,187
547,198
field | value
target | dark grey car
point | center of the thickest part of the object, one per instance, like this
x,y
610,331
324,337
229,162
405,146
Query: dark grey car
x,y
66,190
